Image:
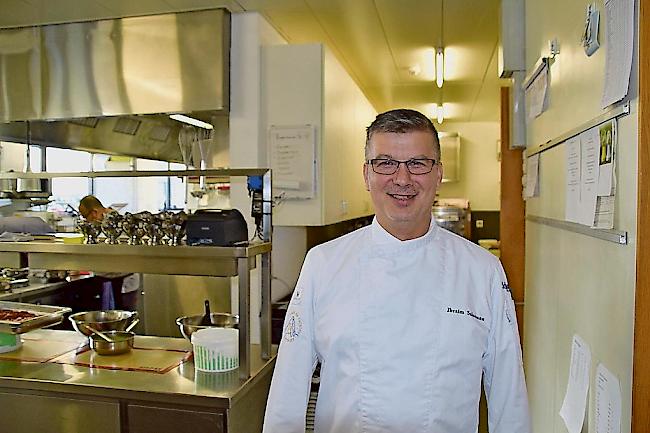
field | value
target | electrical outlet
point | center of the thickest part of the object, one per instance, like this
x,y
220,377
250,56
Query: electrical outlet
x,y
344,207
479,224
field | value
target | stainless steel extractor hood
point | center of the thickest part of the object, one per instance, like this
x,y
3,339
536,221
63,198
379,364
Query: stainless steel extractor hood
x,y
109,85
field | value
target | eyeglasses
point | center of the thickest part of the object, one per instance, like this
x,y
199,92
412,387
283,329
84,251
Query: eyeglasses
x,y
390,166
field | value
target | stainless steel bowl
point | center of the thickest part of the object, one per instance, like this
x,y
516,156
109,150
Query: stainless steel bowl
x,y
104,320
121,342
190,324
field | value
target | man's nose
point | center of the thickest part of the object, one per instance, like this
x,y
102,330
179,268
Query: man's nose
x,y
402,175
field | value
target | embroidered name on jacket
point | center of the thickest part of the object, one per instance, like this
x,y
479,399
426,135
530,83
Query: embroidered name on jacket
x,y
465,312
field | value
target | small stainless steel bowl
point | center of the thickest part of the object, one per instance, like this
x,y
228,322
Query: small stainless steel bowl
x,y
190,324
121,342
103,320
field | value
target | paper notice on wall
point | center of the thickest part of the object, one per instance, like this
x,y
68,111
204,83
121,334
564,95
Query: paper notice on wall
x,y
532,173
537,94
572,195
293,161
606,160
619,30
589,153
608,401
604,218
575,399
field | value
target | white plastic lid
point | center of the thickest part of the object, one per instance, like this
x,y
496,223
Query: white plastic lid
x,y
211,337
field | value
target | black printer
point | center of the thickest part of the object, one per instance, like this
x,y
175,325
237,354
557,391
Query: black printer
x,y
216,227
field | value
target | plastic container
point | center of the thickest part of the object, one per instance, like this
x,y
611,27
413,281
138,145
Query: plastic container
x,y
216,349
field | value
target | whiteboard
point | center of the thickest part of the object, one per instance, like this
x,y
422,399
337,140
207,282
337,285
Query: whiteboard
x,y
293,161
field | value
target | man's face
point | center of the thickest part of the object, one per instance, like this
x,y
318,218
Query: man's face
x,y
403,200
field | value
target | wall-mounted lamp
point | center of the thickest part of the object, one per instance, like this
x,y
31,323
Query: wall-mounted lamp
x,y
440,66
191,121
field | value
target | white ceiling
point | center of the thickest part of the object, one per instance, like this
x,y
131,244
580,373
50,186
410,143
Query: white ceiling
x,y
377,41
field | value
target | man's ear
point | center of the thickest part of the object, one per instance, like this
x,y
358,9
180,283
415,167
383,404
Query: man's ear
x,y
365,176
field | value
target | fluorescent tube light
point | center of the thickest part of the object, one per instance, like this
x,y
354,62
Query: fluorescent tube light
x,y
191,121
440,67
441,113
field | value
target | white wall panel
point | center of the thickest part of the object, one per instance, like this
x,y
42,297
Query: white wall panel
x,y
575,284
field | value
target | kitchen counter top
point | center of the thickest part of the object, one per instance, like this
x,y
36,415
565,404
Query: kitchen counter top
x,y
63,395
181,383
37,288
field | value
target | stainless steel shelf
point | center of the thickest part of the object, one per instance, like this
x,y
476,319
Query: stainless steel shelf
x,y
212,172
159,259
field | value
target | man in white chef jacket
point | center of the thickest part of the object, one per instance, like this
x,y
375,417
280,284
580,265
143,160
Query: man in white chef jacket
x,y
405,317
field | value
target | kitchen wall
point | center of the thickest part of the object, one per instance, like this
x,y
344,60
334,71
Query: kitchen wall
x,y
576,284
250,33
479,164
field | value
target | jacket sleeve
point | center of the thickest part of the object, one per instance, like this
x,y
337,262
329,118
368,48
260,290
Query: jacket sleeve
x,y
503,374
286,406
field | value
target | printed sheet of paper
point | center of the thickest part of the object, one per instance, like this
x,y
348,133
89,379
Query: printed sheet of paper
x,y
606,160
532,174
572,195
619,30
604,218
575,400
537,94
589,143
608,401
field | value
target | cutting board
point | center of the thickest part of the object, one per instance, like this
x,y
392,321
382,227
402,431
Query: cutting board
x,y
138,359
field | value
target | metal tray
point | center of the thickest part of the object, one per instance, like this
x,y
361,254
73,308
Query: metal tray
x,y
49,315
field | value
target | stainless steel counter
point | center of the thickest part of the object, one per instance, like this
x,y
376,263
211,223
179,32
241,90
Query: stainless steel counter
x,y
239,402
37,289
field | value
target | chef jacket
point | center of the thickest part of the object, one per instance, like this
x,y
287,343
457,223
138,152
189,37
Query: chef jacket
x,y
404,332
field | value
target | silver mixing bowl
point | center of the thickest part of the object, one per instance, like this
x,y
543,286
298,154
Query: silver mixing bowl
x,y
190,324
104,320
121,342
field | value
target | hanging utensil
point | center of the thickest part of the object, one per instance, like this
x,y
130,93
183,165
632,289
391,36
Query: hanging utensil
x,y
26,184
186,138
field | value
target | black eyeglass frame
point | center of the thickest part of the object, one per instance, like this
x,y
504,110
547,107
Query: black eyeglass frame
x,y
373,161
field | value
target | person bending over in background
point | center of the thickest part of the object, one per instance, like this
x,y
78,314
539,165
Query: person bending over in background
x,y
92,209
405,317
120,289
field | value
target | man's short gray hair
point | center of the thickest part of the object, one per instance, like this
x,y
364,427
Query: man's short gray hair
x,y
402,120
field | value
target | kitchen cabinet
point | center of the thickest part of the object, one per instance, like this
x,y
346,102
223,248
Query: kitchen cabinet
x,y
147,419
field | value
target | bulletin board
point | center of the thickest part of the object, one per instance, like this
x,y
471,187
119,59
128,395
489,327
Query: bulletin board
x,y
293,161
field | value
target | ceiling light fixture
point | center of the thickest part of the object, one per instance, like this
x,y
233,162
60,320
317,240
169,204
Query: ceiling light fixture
x,y
191,121
440,113
440,66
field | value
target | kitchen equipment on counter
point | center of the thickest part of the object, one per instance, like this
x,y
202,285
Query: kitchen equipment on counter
x,y
9,342
49,275
190,324
7,283
103,320
217,227
173,226
91,230
112,226
19,317
452,218
113,342
133,226
216,349
15,273
153,227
